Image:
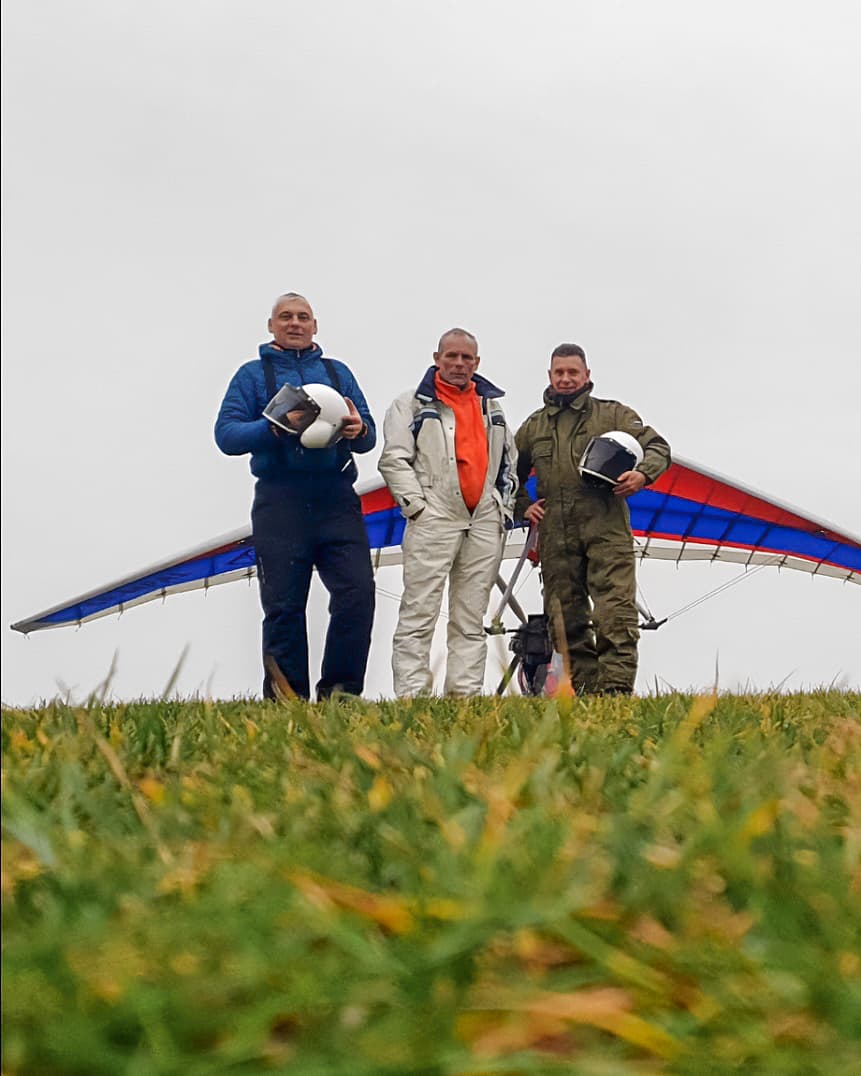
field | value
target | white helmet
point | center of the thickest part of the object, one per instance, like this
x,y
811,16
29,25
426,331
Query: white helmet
x,y
608,456
315,413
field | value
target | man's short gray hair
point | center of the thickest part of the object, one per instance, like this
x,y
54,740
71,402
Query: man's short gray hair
x,y
568,351
456,332
290,295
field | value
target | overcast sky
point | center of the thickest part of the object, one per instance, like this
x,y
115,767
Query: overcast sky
x,y
672,185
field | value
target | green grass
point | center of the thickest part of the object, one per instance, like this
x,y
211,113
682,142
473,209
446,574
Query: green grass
x,y
668,884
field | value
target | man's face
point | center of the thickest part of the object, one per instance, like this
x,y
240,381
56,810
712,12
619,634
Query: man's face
x,y
568,373
457,360
292,324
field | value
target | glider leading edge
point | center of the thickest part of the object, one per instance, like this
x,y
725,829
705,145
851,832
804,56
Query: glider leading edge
x,y
689,513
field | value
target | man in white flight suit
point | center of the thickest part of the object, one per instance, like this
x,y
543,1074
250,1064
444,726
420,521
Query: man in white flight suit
x,y
450,462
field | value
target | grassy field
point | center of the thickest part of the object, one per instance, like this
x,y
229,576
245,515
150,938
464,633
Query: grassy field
x,y
607,887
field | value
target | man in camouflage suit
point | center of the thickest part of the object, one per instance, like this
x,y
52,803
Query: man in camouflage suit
x,y
587,550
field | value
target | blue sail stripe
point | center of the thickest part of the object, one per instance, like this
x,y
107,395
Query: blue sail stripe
x,y
209,566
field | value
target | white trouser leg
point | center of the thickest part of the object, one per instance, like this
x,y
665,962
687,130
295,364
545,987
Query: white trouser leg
x,y
472,576
429,547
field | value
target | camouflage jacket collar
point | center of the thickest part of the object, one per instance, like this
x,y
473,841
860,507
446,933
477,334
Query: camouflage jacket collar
x,y
577,401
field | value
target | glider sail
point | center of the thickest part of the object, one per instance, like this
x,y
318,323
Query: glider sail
x,y
689,513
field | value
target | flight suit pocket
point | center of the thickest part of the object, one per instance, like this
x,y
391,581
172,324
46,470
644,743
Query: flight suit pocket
x,y
542,461
424,477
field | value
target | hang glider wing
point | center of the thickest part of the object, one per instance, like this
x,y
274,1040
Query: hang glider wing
x,y
691,513
221,560
228,557
688,514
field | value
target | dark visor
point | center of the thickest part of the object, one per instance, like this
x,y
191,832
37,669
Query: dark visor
x,y
292,409
607,459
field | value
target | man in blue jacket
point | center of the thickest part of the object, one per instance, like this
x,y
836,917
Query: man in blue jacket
x,y
306,513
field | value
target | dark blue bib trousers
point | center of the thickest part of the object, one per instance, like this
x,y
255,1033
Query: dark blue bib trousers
x,y
300,524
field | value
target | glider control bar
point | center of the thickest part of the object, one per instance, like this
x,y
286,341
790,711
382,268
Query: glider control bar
x,y
507,599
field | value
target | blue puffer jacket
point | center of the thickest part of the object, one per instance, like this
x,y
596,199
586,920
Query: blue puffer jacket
x,y
240,426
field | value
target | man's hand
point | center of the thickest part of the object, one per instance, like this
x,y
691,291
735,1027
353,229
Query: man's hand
x,y
535,512
629,482
353,424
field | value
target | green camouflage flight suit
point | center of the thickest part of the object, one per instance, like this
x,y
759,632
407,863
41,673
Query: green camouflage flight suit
x,y
586,545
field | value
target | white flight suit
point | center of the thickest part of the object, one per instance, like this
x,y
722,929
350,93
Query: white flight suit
x,y
443,540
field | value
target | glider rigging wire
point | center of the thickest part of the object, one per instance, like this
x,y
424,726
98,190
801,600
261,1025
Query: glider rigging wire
x,y
746,573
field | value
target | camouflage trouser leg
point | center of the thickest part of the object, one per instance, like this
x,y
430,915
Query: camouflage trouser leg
x,y
566,603
612,583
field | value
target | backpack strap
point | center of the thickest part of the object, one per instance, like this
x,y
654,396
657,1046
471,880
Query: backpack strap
x,y
269,377
332,371
344,452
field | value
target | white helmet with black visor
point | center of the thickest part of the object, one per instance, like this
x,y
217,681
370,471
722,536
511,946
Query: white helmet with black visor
x,y
609,456
313,413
